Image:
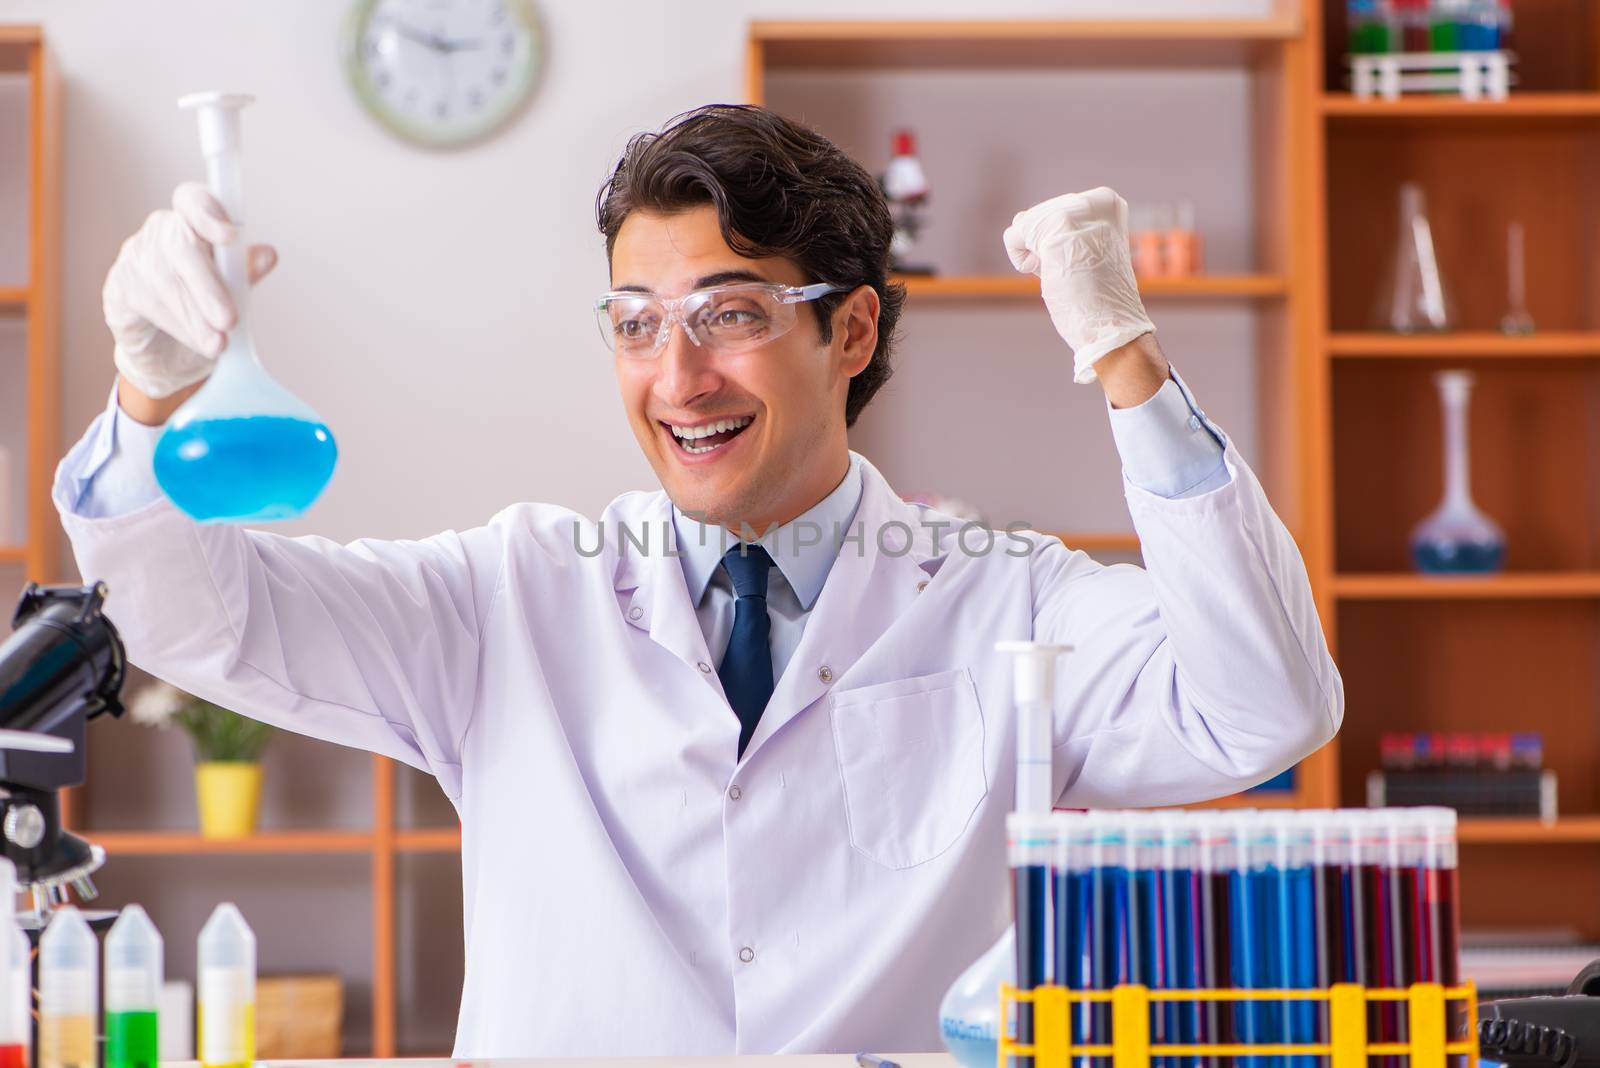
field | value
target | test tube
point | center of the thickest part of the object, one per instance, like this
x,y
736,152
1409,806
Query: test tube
x,y
69,964
1213,831
1293,908
1379,852
133,991
227,965
1180,949
1246,928
1031,847
21,1011
1075,933
14,1016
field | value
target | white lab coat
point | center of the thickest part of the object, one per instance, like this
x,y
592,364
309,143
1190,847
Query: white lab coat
x,y
629,887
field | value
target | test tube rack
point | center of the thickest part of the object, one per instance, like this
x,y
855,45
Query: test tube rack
x,y
1472,75
1428,1025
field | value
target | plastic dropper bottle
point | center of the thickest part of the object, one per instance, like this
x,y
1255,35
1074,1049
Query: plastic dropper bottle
x,y
133,991
16,1000
69,965
20,1017
227,990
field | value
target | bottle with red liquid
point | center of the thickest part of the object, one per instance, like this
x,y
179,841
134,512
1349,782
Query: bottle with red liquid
x,y
15,1016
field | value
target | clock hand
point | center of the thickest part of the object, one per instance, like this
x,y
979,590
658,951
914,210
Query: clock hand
x,y
461,44
437,44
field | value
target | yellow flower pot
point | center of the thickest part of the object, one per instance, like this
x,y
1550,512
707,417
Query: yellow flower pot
x,y
229,792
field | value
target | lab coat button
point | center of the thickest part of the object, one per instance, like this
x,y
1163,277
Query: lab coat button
x,y
825,674
922,585
705,668
734,793
747,954
1194,422
635,612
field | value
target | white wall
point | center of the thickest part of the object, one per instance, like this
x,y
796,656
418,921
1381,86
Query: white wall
x,y
434,308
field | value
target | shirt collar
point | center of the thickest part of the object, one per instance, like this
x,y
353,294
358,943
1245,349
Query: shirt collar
x,y
803,548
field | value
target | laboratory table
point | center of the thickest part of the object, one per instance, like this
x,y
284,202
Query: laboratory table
x,y
842,1060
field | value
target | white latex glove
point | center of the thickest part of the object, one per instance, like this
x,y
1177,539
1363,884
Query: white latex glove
x,y
1078,246
164,300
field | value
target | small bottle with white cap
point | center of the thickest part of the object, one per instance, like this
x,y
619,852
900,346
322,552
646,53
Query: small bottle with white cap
x,y
133,990
69,973
227,990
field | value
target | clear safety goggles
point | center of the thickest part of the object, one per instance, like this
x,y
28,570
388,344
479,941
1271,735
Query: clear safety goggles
x,y
721,319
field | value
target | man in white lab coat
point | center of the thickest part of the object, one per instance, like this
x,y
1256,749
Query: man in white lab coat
x,y
748,800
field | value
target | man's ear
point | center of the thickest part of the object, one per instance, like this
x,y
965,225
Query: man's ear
x,y
855,322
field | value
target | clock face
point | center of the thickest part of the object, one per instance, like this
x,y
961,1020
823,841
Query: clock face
x,y
442,72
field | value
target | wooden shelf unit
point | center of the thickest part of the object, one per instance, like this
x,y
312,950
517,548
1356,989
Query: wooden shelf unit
x,y
36,302
1021,286
1469,653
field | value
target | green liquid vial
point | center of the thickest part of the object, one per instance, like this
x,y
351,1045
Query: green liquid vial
x,y
132,1040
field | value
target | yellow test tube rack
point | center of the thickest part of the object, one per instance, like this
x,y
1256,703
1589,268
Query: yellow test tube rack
x,y
1427,1025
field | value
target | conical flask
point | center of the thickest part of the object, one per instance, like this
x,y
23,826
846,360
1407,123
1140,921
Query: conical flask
x,y
243,448
969,1015
1416,297
1457,537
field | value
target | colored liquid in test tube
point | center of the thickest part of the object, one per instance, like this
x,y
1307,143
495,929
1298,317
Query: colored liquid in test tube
x,y
133,991
1380,877
227,965
1147,910
1181,950
1213,834
1100,905
1292,904
1031,845
1247,932
14,1012
69,964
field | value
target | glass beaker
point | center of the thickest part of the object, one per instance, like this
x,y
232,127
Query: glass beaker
x,y
1415,298
243,448
1457,537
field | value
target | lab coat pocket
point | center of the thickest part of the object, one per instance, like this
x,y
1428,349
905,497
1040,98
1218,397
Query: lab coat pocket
x,y
911,759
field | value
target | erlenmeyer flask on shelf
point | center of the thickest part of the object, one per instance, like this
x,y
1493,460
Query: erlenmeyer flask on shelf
x,y
1457,537
1415,297
243,448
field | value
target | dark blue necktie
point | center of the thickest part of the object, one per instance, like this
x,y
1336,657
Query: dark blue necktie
x,y
746,670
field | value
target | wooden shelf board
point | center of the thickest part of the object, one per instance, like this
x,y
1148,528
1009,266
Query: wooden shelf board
x,y
1517,106
13,300
17,43
189,843
1511,830
1560,343
1009,286
1114,541
1013,43
1513,585
428,839
13,554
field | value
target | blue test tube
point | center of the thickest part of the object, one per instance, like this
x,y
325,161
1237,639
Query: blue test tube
x,y
1180,925
1146,910
1213,832
1030,849
1293,952
1247,930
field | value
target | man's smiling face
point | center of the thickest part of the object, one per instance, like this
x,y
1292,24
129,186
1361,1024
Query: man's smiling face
x,y
748,438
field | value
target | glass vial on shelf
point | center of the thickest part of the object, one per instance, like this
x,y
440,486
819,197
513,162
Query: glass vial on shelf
x,y
1416,298
1516,319
1457,537
1372,27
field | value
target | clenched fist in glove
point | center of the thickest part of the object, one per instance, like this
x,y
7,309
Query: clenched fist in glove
x,y
164,300
1078,246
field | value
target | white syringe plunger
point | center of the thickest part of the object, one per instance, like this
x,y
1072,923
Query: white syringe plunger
x,y
1033,687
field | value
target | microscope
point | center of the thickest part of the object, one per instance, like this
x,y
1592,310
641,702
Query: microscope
x,y
62,666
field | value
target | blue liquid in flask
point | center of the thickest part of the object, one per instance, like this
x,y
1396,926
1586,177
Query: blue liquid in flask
x,y
245,468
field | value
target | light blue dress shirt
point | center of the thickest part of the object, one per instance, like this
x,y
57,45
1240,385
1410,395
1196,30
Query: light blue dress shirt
x,y
1167,445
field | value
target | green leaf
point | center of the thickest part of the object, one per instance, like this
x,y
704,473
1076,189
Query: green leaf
x,y
220,734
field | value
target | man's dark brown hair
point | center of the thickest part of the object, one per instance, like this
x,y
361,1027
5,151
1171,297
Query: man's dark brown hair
x,y
779,189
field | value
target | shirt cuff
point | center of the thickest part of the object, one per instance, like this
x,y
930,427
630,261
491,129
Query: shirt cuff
x,y
1168,446
111,471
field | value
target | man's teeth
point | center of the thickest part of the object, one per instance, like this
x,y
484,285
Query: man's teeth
x,y
690,433
686,435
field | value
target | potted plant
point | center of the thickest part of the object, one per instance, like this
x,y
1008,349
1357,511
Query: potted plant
x,y
227,752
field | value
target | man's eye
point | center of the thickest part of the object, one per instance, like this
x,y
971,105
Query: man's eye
x,y
633,329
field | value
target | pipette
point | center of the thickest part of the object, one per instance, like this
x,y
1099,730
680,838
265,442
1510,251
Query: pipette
x,y
133,991
243,448
227,954
69,965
